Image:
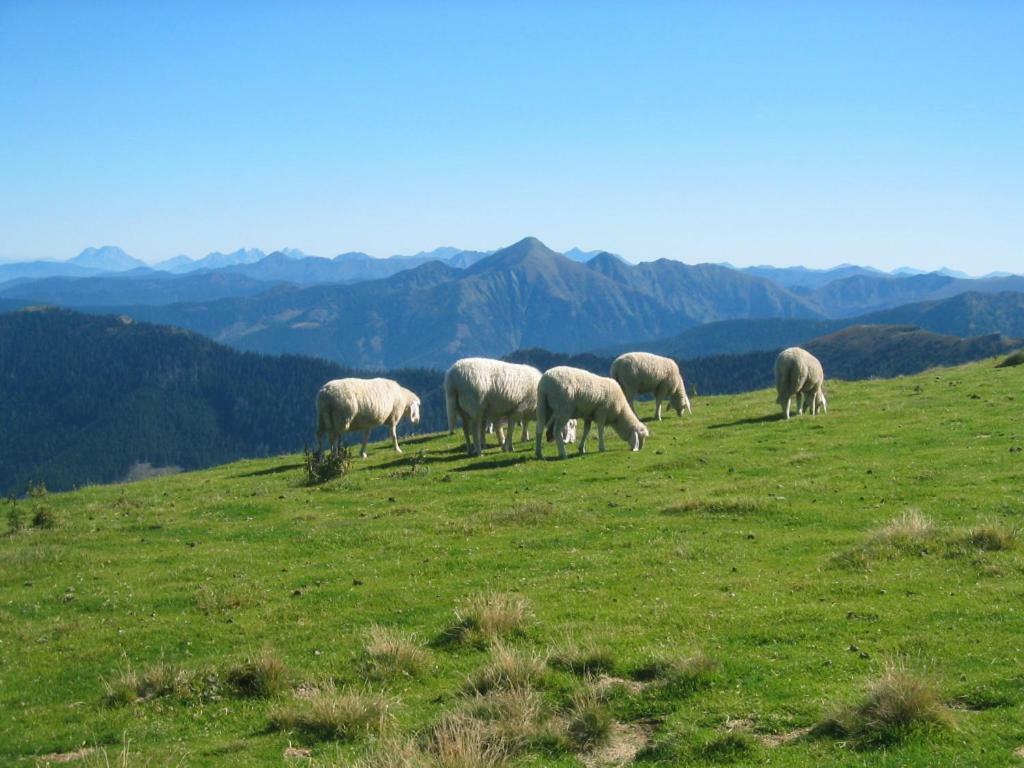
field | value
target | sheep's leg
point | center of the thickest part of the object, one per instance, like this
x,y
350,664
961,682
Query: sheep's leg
x,y
587,423
464,418
786,407
366,439
600,436
657,408
526,431
394,436
478,435
559,441
629,399
506,434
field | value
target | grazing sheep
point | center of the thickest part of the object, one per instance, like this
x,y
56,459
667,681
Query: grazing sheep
x,y
345,405
799,374
565,393
641,373
478,390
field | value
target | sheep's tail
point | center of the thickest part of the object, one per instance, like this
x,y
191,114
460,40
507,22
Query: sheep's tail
x,y
451,399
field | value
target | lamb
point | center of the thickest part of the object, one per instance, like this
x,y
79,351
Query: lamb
x,y
478,390
343,405
565,393
799,373
641,373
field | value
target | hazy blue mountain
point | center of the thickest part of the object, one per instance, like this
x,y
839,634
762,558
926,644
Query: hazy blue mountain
x,y
176,264
464,259
218,260
872,293
963,315
804,277
107,258
149,287
39,269
966,314
443,253
523,295
581,256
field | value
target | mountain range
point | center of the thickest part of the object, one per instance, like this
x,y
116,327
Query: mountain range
x,y
522,295
431,307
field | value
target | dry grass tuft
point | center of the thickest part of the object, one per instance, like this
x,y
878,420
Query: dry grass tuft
x,y
262,675
517,719
590,722
507,668
911,531
390,753
895,705
460,741
488,617
389,653
330,714
679,673
989,536
584,658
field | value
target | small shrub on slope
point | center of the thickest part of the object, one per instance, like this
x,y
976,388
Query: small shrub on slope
x,y
894,706
262,675
330,714
488,617
389,654
321,467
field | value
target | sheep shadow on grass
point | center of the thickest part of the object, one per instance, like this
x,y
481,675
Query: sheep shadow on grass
x,y
495,463
752,420
272,470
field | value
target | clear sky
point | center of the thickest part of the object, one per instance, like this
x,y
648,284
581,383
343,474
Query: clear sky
x,y
812,133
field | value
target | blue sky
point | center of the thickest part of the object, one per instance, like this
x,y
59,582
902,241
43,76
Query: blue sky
x,y
810,133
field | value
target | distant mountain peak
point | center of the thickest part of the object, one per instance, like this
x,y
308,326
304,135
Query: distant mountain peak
x,y
527,250
108,258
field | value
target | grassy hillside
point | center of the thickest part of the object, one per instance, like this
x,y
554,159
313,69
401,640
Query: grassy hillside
x,y
737,582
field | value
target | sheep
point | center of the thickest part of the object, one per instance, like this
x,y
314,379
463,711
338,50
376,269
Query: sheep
x,y
478,390
343,405
641,373
565,393
799,373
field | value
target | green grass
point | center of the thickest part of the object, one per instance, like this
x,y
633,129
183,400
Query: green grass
x,y
739,568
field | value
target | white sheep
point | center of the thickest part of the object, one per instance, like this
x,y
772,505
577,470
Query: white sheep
x,y
345,405
641,373
566,393
799,374
478,390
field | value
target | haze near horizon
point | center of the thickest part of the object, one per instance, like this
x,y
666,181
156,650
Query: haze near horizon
x,y
878,134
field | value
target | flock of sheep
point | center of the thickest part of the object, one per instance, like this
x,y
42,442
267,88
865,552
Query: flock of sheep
x,y
494,396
